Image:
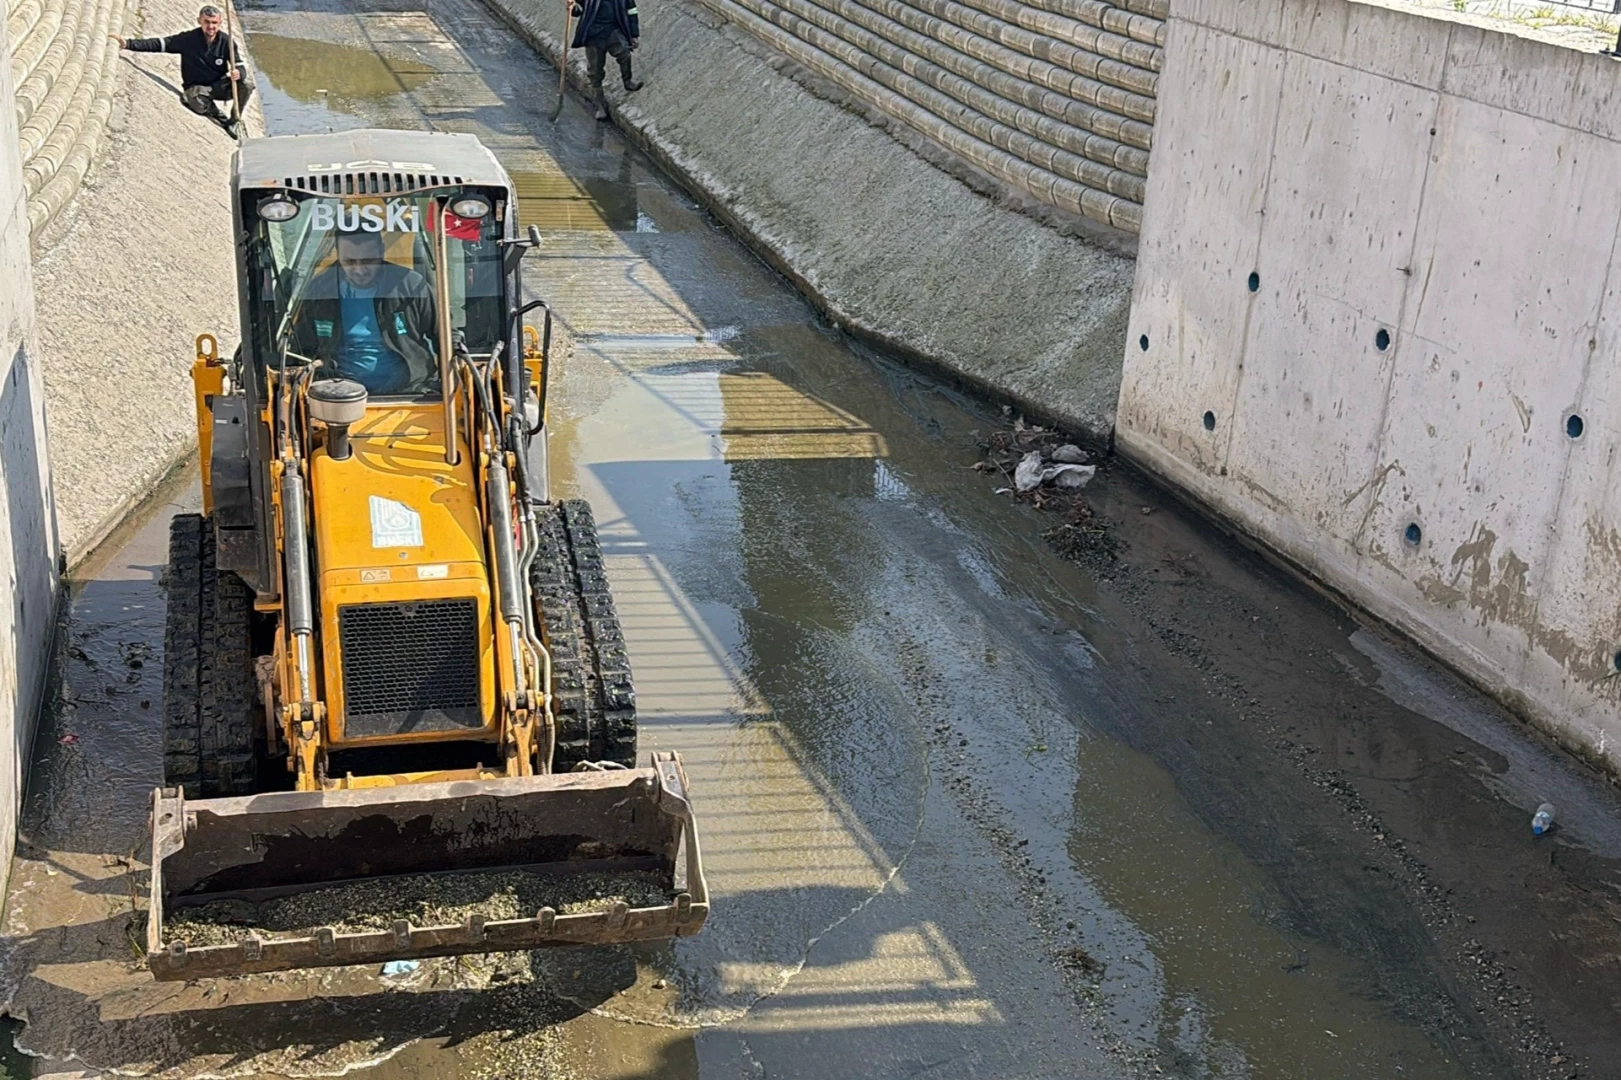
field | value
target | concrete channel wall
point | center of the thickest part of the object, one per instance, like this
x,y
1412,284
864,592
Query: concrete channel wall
x,y
890,246
28,544
63,71
1376,322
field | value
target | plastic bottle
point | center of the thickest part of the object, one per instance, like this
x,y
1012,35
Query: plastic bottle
x,y
1543,820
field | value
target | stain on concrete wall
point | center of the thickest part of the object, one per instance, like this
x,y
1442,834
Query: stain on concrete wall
x,y
1375,322
28,543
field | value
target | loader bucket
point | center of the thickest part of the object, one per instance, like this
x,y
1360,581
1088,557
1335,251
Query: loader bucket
x,y
258,849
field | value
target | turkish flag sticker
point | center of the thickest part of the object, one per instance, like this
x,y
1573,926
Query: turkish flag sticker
x,y
458,228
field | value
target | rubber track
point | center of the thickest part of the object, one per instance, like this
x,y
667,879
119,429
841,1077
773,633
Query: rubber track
x,y
555,596
209,710
594,698
615,737
183,586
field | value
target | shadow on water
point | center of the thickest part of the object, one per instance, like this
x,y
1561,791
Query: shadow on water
x,y
99,747
87,976
302,1023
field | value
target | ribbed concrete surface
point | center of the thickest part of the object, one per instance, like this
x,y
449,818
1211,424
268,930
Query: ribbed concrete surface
x,y
1035,98
64,70
1053,98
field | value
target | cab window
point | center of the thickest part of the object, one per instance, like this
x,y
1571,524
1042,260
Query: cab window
x,y
350,284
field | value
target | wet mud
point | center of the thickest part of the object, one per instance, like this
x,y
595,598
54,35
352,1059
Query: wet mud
x,y
360,906
970,808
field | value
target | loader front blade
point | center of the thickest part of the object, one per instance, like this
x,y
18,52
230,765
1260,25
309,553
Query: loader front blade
x,y
256,848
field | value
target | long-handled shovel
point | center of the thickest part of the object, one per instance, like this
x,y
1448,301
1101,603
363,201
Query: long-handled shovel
x,y
235,130
562,59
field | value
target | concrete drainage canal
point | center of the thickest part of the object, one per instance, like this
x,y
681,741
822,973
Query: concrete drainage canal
x,y
970,808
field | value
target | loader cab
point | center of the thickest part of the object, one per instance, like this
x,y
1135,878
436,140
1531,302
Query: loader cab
x,y
301,203
360,310
348,282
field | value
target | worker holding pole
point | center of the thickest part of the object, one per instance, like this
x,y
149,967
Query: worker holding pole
x,y
607,28
211,70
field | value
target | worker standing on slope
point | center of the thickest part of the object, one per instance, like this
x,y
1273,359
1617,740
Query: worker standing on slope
x,y
209,64
607,28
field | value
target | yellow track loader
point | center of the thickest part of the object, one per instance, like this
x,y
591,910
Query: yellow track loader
x,y
389,653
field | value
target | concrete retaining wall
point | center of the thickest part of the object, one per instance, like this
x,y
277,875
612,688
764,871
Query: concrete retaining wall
x,y
893,248
28,543
63,70
1378,279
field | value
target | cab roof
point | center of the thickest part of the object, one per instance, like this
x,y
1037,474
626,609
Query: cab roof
x,y
416,158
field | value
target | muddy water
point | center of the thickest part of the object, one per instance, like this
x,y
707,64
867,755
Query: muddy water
x,y
967,810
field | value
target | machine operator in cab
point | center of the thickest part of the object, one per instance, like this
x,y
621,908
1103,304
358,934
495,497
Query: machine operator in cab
x,y
369,320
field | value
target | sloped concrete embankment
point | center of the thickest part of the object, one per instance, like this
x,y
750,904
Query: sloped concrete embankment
x,y
900,251
1053,97
132,270
1375,324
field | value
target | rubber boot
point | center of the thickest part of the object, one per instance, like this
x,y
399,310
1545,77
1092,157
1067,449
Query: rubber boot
x,y
631,85
602,104
223,119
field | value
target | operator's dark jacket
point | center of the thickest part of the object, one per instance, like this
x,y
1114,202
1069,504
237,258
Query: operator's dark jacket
x,y
201,63
405,319
624,18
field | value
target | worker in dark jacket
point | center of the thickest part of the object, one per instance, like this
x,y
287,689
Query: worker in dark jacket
x,y
607,28
209,65
369,320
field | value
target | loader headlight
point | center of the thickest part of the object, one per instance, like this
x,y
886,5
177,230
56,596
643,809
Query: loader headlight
x,y
278,207
470,206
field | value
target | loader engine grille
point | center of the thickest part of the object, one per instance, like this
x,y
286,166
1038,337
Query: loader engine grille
x,y
368,183
410,667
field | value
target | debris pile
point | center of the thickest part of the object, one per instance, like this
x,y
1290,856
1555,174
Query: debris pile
x,y
421,899
1038,463
1082,533
1064,470
1042,468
